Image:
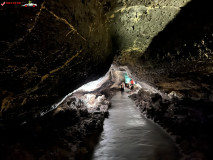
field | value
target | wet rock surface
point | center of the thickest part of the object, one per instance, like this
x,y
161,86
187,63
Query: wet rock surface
x,y
188,120
129,135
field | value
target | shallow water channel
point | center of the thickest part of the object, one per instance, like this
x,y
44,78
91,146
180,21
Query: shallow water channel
x,y
128,135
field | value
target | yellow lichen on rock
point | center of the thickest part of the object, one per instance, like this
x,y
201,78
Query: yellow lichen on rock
x,y
6,103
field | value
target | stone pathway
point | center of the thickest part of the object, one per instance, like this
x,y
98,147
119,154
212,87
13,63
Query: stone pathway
x,y
128,135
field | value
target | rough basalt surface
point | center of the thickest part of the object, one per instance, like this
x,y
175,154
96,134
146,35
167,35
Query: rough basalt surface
x,y
133,24
68,132
48,51
170,47
187,119
180,49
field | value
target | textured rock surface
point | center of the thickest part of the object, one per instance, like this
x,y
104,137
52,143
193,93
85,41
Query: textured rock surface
x,y
183,50
48,51
68,132
45,49
134,24
187,118
65,133
178,47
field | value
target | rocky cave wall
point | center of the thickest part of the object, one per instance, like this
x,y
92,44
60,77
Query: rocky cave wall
x,y
47,52
133,24
186,42
168,44
163,39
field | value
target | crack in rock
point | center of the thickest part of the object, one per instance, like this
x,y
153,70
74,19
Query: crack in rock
x,y
66,22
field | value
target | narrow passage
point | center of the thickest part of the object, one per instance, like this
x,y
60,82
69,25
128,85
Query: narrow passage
x,y
129,136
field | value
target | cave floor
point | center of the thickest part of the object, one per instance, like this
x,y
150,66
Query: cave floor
x,y
129,135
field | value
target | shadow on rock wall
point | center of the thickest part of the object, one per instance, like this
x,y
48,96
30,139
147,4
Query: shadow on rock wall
x,y
189,35
183,52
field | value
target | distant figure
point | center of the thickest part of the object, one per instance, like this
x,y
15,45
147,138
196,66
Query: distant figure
x,y
132,82
127,85
132,87
122,87
127,80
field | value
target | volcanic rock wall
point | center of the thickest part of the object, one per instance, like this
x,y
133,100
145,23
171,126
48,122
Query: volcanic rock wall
x,y
169,43
135,23
47,52
186,42
164,39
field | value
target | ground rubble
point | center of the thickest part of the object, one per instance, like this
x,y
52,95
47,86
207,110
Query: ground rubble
x,y
70,131
188,120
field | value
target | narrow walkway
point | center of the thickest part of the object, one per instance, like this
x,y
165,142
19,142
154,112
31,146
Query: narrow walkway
x,y
129,136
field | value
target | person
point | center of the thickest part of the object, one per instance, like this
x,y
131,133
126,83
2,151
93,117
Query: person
x,y
122,87
132,87
132,82
127,85
127,80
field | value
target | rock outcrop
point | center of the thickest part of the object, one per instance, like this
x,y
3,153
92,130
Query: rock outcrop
x,y
64,133
164,39
168,44
69,131
186,118
133,24
47,52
